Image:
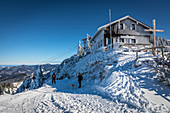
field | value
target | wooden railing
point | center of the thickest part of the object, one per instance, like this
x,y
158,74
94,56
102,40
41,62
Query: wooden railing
x,y
152,48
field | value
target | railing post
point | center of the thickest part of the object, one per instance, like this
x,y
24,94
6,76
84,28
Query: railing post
x,y
136,58
153,51
162,52
137,54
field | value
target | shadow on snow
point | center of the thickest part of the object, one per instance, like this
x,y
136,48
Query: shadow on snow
x,y
65,87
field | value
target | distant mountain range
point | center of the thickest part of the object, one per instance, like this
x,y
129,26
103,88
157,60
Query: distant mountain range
x,y
15,73
3,66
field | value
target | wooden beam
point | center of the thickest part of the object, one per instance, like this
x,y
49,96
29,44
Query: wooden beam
x,y
159,30
154,34
149,30
135,44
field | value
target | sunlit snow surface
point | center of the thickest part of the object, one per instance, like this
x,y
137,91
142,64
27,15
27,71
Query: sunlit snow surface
x,y
124,89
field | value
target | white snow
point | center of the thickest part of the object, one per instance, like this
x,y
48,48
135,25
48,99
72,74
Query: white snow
x,y
56,98
155,98
123,89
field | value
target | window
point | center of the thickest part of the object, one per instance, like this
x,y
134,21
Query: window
x,y
133,41
109,40
121,40
133,27
121,25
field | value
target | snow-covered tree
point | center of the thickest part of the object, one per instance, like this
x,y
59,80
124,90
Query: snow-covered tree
x,y
32,83
80,49
40,76
88,44
25,85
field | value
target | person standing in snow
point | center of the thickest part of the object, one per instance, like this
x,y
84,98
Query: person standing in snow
x,y
33,77
80,78
53,78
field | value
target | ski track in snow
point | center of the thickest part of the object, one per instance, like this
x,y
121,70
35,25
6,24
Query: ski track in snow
x,y
47,99
124,89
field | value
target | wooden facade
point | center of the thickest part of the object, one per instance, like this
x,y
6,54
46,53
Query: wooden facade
x,y
126,30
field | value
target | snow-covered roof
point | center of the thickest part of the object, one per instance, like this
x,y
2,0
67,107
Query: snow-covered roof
x,y
104,26
97,32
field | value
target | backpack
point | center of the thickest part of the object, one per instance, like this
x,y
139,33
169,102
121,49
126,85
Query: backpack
x,y
81,77
53,76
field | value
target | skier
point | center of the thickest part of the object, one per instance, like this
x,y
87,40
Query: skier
x,y
53,78
80,78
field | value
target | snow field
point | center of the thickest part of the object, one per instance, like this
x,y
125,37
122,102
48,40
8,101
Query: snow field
x,y
48,100
121,81
123,89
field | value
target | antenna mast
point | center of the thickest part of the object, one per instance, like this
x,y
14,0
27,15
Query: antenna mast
x,y
110,22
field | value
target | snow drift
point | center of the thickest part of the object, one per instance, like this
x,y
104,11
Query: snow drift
x,y
111,83
114,75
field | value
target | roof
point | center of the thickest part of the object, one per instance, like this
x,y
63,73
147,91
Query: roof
x,y
97,32
104,26
123,19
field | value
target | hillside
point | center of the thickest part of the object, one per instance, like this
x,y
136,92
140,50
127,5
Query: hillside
x,y
111,83
12,77
19,73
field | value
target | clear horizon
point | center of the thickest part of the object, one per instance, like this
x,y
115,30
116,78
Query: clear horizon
x,y
27,64
33,31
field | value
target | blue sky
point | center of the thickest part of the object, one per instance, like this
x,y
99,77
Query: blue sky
x,y
32,31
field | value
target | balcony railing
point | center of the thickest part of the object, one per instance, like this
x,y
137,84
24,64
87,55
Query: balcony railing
x,y
120,44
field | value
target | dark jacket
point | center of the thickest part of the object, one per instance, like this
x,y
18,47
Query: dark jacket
x,y
80,77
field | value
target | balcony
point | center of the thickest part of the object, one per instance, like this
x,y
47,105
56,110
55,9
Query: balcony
x,y
128,32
